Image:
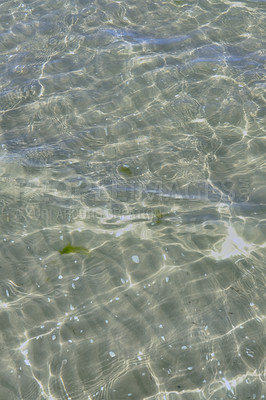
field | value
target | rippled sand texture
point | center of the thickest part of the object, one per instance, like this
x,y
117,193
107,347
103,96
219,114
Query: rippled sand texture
x,y
132,225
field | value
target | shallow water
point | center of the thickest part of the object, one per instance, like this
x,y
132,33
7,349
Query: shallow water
x,y
132,208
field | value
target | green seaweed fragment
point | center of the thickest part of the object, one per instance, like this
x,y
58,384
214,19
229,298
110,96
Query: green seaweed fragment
x,y
74,249
125,170
159,216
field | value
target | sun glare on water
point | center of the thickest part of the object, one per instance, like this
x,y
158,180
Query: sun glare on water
x,y
233,245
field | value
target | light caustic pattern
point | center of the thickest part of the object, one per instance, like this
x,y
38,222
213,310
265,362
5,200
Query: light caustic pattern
x,y
132,209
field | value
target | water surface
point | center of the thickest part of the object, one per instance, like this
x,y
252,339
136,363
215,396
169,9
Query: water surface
x,y
132,170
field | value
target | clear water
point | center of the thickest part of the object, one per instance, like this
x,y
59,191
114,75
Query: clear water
x,y
134,130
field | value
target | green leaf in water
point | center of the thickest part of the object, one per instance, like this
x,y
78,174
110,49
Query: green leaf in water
x,y
159,216
125,170
74,249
